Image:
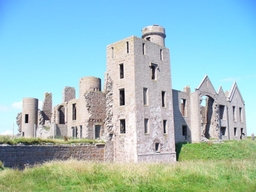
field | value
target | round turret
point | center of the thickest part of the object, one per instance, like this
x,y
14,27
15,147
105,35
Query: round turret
x,y
89,84
155,34
29,116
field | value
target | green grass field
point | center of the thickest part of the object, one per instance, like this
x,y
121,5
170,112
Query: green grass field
x,y
229,166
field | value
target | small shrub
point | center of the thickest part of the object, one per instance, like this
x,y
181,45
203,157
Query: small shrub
x,y
65,138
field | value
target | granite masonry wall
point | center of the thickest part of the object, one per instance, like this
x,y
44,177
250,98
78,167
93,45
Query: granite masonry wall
x,y
28,155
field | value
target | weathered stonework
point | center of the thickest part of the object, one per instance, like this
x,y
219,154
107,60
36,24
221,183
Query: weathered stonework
x,y
68,94
47,106
138,114
208,114
21,156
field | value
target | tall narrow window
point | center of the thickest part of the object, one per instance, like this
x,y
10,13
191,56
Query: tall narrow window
x,y
184,131
183,107
240,114
26,118
157,147
146,127
161,54
235,131
234,113
97,131
112,52
223,131
165,126
74,132
74,111
122,126
145,96
221,109
153,71
143,49
121,70
242,131
81,131
122,96
163,99
127,47
61,111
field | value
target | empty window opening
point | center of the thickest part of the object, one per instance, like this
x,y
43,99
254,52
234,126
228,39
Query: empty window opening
x,y
143,49
122,126
235,131
112,52
145,96
165,126
157,147
148,38
61,115
122,96
163,99
127,47
223,131
234,113
146,127
121,69
97,131
153,71
184,131
23,134
26,118
183,107
240,114
74,111
207,116
161,54
221,109
81,131
74,132
242,133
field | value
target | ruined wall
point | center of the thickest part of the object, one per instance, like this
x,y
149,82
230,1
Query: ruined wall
x,y
180,119
47,106
96,107
236,111
19,156
68,94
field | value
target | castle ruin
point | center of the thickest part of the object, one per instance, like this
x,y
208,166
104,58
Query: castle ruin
x,y
138,114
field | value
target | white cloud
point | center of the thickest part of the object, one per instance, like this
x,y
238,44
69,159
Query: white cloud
x,y
17,105
7,132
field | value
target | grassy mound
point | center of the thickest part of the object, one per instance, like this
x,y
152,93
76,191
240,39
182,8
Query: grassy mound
x,y
241,149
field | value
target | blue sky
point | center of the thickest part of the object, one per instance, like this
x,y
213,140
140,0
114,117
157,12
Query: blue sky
x,y
46,45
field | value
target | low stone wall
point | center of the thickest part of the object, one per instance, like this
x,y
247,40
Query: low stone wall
x,y
21,156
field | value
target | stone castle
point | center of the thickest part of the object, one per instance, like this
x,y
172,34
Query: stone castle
x,y
138,114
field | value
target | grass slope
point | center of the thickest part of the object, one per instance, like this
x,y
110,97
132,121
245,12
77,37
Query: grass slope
x,y
241,149
194,173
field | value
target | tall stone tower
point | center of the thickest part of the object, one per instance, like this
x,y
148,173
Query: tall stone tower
x,y
29,116
138,77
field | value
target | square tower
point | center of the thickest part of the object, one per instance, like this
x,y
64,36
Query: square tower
x,y
139,108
